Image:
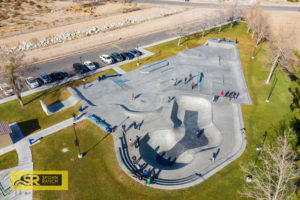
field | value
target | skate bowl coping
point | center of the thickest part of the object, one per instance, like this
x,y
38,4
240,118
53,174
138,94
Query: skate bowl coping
x,y
154,66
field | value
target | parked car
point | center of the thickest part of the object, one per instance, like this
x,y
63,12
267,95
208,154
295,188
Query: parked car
x,y
106,58
59,75
90,65
117,57
127,55
135,52
79,68
6,89
33,82
46,78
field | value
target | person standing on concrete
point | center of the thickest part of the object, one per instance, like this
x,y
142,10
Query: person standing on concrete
x,y
135,144
193,85
185,80
134,159
197,133
74,116
134,125
214,155
83,83
169,99
130,143
124,128
132,97
146,173
152,175
237,95
191,77
138,141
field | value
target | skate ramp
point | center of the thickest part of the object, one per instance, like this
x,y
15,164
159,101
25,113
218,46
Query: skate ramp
x,y
175,147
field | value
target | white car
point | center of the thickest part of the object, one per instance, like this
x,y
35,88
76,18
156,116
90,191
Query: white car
x,y
90,65
32,82
6,89
107,59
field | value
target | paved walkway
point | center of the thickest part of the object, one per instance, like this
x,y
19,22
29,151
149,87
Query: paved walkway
x,y
25,163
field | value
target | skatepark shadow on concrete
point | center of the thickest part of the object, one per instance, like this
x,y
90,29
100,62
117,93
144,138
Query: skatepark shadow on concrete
x,y
175,147
81,96
56,106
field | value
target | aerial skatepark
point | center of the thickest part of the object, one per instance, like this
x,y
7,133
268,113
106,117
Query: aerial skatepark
x,y
185,134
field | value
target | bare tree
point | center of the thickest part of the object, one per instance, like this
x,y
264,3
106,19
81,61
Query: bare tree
x,y
250,15
220,19
204,25
179,32
10,62
261,28
187,31
273,178
232,12
282,46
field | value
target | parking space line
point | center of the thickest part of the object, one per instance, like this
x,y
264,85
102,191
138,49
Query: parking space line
x,y
115,45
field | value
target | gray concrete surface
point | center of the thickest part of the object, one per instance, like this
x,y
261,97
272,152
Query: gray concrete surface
x,y
168,143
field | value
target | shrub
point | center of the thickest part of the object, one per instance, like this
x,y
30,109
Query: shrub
x,y
3,16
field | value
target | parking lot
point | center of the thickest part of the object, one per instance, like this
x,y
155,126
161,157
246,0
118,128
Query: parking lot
x,y
67,67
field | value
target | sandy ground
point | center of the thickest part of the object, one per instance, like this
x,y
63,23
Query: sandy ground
x,y
13,41
128,32
29,18
278,20
286,20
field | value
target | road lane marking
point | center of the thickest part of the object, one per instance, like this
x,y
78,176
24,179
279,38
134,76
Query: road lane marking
x,y
115,45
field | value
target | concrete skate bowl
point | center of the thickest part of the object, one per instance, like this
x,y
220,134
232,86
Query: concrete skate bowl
x,y
177,147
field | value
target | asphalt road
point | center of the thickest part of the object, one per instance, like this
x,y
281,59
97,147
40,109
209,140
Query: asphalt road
x,y
65,64
214,5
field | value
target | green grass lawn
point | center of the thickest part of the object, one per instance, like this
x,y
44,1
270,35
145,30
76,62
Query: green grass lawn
x,y
31,117
8,160
98,175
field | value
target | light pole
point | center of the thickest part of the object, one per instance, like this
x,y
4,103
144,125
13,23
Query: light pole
x,y
77,141
138,55
258,149
273,85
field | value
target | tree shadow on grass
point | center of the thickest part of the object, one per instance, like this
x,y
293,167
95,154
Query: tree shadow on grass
x,y
29,126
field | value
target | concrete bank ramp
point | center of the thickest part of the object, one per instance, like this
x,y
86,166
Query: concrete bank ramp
x,y
61,105
141,113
